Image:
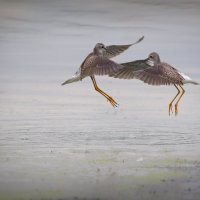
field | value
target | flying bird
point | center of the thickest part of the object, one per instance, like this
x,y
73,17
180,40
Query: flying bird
x,y
98,63
155,72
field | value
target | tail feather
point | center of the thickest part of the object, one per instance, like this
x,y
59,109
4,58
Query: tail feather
x,y
74,78
190,81
187,79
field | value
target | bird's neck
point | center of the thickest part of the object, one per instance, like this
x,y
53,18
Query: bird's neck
x,y
97,52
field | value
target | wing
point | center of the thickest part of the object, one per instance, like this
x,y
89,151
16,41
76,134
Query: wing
x,y
144,71
153,75
99,65
130,68
115,50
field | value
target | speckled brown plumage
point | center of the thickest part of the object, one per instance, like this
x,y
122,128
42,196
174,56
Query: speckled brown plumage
x,y
154,72
98,63
151,71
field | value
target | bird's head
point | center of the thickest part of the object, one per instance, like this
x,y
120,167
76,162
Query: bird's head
x,y
153,58
99,49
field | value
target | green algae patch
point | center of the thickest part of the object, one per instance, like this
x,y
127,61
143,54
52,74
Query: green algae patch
x,y
177,162
37,194
105,160
171,163
158,176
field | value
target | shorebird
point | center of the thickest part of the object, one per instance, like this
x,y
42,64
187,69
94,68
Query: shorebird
x,y
98,63
154,72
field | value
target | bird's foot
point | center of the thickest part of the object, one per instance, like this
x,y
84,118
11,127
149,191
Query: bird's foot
x,y
113,102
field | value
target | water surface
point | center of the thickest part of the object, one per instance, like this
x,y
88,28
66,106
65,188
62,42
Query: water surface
x,y
67,142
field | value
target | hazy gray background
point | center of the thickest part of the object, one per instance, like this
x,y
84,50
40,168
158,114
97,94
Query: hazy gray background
x,y
58,142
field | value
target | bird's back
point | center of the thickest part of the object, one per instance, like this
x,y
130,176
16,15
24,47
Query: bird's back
x,y
170,73
98,65
84,63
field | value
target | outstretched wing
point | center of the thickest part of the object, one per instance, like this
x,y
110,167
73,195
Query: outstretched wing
x,y
115,50
153,76
130,68
144,71
99,65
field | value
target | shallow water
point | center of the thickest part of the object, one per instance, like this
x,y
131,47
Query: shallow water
x,y
67,142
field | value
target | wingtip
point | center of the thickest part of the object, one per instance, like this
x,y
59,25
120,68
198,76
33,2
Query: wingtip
x,y
139,40
142,37
63,84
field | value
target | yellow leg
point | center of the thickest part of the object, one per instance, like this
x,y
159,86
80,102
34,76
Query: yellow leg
x,y
109,98
170,104
176,105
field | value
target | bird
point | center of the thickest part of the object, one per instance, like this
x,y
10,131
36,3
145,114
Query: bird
x,y
98,63
155,72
